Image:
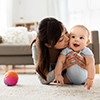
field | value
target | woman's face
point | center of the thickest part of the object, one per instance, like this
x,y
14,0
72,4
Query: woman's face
x,y
63,41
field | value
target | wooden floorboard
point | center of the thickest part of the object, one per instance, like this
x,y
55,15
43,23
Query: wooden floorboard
x,y
21,69
28,69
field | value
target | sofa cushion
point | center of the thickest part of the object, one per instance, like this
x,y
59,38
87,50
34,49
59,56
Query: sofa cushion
x,y
18,49
31,36
16,60
15,35
90,46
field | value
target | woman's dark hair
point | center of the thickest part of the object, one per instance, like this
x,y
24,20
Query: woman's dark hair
x,y
49,31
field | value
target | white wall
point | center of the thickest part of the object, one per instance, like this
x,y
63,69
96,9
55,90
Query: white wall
x,y
16,11
9,13
6,13
30,10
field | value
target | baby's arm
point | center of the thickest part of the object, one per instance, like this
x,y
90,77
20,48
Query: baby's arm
x,y
58,69
90,63
59,64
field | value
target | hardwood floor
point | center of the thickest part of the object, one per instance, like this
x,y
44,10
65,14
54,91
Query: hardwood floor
x,y
27,69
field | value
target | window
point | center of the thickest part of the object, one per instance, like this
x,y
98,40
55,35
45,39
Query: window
x,y
86,12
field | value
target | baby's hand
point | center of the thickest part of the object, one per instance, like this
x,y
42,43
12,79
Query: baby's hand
x,y
88,83
59,78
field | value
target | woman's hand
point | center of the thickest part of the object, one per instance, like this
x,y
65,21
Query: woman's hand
x,y
78,60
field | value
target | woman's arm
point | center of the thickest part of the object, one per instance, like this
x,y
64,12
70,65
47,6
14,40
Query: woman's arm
x,y
50,76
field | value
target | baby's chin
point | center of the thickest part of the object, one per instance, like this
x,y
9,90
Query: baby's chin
x,y
75,49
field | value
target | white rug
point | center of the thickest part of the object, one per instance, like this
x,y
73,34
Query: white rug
x,y
29,88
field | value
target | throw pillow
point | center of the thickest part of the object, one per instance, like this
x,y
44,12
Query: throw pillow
x,y
16,35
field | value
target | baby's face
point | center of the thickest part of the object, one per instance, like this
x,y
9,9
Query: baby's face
x,y
78,38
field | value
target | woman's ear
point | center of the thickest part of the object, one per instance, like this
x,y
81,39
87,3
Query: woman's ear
x,y
88,41
47,45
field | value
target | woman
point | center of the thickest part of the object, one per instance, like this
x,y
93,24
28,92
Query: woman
x,y
51,38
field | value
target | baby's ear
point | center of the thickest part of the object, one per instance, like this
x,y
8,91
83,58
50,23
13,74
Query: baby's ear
x,y
88,41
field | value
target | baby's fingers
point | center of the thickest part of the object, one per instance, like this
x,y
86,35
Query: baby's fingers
x,y
62,82
85,84
57,83
88,86
54,80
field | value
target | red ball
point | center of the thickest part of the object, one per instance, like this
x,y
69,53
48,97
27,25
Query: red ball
x,y
11,78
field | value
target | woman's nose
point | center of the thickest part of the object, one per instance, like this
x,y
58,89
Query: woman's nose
x,y
66,38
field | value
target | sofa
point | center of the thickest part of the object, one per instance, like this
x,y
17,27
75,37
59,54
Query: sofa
x,y
95,47
16,52
21,54
15,55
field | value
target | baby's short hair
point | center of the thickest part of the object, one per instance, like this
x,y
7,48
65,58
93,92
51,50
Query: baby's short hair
x,y
82,26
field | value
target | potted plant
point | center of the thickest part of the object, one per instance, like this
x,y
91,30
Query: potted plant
x,y
21,19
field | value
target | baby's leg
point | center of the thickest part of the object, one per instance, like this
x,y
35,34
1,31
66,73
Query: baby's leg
x,y
66,80
76,74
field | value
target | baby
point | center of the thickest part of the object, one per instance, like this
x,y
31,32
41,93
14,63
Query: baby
x,y
79,39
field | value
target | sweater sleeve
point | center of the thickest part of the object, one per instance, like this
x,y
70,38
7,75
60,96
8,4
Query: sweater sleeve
x,y
51,74
50,78
34,53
